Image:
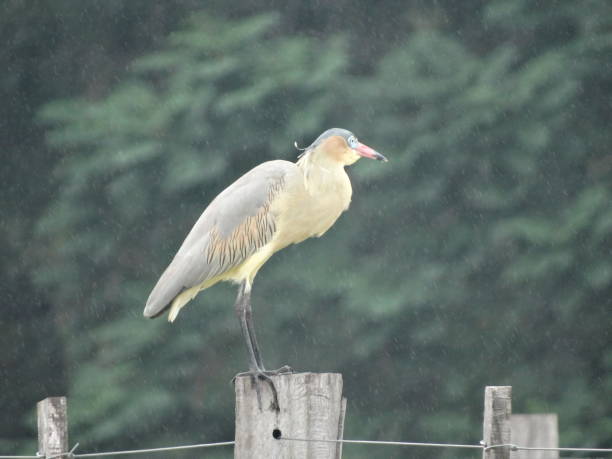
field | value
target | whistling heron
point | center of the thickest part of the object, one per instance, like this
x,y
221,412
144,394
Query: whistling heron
x,y
276,204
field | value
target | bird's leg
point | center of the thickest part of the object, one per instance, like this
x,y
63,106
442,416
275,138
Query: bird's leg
x,y
245,313
248,316
256,368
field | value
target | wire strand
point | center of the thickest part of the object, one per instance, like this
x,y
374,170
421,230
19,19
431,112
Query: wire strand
x,y
512,446
155,450
382,442
71,454
591,450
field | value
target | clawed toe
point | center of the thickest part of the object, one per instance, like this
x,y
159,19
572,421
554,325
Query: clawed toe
x,y
265,374
284,370
258,376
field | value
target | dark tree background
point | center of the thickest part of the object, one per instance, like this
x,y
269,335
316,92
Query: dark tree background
x,y
480,254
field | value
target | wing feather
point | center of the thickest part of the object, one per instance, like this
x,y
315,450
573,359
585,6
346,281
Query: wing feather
x,y
234,226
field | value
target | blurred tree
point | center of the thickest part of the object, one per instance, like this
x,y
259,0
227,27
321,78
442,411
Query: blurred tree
x,y
497,235
192,115
50,50
478,255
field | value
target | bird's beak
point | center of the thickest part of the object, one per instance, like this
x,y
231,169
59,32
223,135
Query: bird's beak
x,y
367,152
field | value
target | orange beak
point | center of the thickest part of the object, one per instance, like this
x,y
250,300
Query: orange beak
x,y
367,152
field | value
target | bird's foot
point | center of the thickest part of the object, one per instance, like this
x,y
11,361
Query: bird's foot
x,y
256,377
265,375
284,370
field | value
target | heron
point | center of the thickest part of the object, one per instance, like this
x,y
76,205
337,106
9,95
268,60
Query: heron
x,y
275,204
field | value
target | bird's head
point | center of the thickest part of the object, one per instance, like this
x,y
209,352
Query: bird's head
x,y
341,146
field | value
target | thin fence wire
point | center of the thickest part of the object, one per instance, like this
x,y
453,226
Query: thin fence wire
x,y
72,455
481,446
542,448
382,442
156,450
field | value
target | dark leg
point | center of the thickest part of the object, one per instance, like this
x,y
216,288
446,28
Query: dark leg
x,y
250,330
256,367
245,314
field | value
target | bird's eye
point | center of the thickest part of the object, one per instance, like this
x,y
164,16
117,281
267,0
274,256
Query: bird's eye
x,y
352,141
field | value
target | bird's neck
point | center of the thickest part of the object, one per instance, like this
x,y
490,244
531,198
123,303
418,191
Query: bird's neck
x,y
321,172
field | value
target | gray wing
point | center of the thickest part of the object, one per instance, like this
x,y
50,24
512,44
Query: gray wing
x,y
233,227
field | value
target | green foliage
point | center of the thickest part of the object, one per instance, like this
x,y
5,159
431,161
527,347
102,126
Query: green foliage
x,y
478,255
190,116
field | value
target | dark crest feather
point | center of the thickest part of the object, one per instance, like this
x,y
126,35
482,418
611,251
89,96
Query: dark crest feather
x,y
330,132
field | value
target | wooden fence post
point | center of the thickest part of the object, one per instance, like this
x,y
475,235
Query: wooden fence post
x,y
496,425
311,407
52,416
535,430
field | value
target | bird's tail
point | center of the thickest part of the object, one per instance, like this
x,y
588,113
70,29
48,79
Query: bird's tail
x,y
181,300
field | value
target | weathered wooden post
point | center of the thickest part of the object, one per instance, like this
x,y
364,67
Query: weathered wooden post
x,y
52,415
311,407
535,430
496,425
